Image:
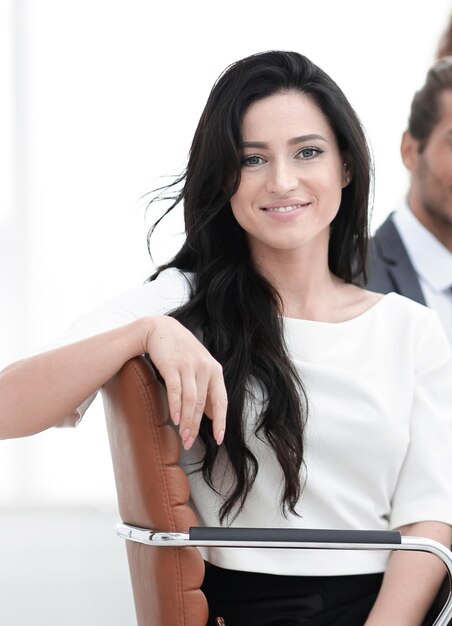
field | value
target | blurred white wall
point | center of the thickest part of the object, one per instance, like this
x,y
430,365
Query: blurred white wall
x,y
99,99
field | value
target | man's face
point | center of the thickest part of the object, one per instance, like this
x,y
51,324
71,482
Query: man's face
x,y
431,184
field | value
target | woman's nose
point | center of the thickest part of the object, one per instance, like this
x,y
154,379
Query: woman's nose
x,y
282,179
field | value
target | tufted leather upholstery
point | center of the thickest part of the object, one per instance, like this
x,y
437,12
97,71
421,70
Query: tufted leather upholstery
x,y
152,493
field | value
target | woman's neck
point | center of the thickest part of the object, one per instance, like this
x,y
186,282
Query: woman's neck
x,y
310,291
306,288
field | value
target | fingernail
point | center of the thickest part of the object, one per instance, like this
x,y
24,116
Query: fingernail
x,y
220,437
176,419
188,443
185,434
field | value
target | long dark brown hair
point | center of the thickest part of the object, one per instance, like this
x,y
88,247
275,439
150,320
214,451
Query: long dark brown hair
x,y
233,307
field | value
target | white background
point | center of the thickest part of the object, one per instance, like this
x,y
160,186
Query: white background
x,y
99,99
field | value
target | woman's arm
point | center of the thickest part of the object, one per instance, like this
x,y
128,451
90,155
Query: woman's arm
x,y
38,392
411,580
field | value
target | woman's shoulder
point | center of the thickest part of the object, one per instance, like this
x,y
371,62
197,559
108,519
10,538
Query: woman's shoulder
x,y
395,318
405,309
159,295
403,314
169,290
414,324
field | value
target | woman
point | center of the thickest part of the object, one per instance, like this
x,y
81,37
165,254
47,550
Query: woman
x,y
328,404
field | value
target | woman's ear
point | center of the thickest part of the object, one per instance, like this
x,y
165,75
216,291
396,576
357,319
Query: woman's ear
x,y
347,173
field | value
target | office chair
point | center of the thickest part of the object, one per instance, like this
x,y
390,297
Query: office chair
x,y
166,568
152,493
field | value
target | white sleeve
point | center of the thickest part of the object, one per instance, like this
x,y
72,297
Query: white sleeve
x,y
424,487
167,292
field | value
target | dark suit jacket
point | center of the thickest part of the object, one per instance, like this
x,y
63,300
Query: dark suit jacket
x,y
389,267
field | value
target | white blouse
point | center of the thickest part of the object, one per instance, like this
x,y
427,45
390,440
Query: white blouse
x,y
378,442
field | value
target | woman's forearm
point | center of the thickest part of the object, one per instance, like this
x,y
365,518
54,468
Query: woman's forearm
x,y
411,580
39,392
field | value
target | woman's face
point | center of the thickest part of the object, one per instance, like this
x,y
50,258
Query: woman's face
x,y
291,178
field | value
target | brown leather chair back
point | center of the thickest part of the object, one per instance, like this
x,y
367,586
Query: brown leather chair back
x,y
152,493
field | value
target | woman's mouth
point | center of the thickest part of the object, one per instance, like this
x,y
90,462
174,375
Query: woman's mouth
x,y
284,209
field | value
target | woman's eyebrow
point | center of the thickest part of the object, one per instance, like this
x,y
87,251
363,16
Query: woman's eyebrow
x,y
254,144
291,142
302,138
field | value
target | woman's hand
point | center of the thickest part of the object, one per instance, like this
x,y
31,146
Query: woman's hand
x,y
193,378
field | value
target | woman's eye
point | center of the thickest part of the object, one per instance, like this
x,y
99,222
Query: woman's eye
x,y
252,160
308,153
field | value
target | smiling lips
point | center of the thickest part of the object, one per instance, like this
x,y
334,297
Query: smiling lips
x,y
284,208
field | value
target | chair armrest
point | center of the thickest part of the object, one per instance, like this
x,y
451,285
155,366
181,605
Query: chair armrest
x,y
296,538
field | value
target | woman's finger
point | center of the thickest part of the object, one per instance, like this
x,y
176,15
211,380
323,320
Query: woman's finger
x,y
173,391
202,383
189,398
217,404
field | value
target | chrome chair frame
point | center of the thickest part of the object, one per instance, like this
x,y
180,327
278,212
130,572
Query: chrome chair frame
x,y
298,539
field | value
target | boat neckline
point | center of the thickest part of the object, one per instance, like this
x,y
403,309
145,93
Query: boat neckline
x,y
357,318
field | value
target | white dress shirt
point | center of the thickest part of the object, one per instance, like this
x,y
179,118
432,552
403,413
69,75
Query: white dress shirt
x,y
432,262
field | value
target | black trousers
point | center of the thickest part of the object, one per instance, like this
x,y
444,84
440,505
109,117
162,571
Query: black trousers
x,y
250,599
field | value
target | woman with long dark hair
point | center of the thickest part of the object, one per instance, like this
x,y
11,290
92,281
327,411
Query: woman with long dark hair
x,y
318,404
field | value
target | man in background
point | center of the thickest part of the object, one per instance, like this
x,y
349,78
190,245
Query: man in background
x,y
411,252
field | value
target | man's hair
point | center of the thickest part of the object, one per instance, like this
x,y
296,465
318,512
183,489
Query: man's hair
x,y
426,105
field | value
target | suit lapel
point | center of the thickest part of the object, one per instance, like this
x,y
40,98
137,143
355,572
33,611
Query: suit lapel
x,y
398,262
